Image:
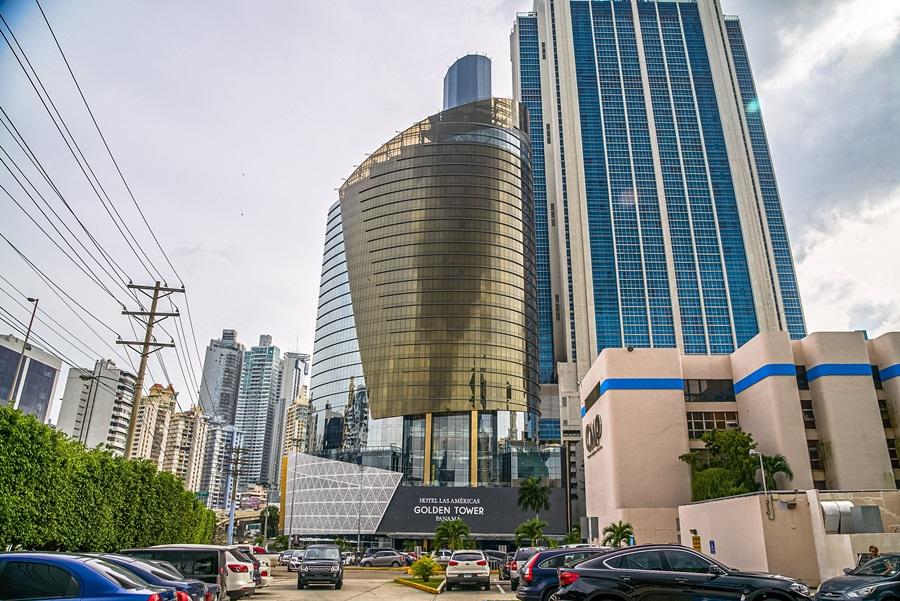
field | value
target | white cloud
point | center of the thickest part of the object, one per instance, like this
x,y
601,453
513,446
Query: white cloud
x,y
856,33
848,272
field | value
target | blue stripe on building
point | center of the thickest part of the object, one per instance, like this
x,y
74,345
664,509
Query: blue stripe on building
x,y
641,384
839,369
756,376
892,371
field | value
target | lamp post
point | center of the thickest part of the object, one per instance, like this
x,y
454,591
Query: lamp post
x,y
762,470
15,382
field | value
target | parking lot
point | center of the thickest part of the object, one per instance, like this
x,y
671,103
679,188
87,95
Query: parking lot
x,y
370,584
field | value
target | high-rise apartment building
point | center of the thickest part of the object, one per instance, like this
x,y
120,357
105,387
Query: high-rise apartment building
x,y
186,447
294,371
37,376
258,396
221,439
296,424
222,376
152,423
96,406
658,219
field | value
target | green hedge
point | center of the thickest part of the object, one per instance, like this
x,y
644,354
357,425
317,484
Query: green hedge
x,y
57,495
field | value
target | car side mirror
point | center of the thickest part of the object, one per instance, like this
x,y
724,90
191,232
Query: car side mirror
x,y
715,570
847,570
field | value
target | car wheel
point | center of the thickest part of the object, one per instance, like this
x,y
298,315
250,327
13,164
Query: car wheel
x,y
339,585
449,586
395,564
300,585
487,586
548,594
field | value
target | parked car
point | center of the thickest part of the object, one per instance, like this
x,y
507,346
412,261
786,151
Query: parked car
x,y
296,558
373,550
212,564
876,579
322,564
63,575
441,556
248,557
284,557
539,578
383,559
347,557
155,574
495,558
670,572
522,555
468,567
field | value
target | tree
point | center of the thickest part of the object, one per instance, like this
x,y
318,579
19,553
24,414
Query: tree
x,y
774,465
617,533
724,467
534,496
531,531
573,536
57,495
451,534
272,521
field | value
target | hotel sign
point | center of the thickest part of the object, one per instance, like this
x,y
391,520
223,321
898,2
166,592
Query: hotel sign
x,y
487,510
593,430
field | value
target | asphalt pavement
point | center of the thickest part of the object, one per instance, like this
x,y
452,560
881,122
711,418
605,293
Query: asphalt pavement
x,y
370,584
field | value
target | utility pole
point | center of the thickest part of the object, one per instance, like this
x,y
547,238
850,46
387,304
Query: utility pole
x,y
147,347
15,382
234,463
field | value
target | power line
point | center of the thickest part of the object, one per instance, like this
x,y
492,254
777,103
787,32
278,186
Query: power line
x,y
105,144
80,153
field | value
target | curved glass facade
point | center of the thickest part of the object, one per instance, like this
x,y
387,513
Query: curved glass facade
x,y
439,231
425,355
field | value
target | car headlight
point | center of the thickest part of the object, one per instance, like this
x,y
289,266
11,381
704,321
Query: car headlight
x,y
862,592
334,568
800,588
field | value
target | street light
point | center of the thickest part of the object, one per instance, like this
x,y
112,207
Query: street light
x,y
15,382
762,469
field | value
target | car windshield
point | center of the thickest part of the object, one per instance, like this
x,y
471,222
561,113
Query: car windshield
x,y
322,553
524,554
880,566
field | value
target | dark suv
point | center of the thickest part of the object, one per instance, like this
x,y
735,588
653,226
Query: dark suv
x,y
673,573
321,564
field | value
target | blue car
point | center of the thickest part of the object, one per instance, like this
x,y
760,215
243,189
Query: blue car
x,y
157,575
61,575
539,577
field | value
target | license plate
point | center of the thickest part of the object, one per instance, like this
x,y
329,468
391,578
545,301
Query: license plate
x,y
467,575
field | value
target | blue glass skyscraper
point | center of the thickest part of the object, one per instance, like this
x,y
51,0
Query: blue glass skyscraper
x,y
659,219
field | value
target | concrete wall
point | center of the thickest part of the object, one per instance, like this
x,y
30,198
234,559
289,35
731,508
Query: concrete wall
x,y
770,409
847,415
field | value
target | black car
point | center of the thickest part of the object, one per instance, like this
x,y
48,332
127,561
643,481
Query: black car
x,y
877,579
157,575
322,564
673,573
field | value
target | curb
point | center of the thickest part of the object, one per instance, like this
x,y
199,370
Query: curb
x,y
421,587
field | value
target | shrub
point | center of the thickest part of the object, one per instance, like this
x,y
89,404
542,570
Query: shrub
x,y
423,568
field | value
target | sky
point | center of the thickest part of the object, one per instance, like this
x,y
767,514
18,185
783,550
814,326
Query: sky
x,y
234,122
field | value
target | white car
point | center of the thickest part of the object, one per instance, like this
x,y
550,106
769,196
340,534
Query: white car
x,y
295,560
468,567
238,573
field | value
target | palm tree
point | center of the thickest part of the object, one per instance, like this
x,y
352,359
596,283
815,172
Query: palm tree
x,y
572,537
534,496
617,533
532,531
451,535
776,464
